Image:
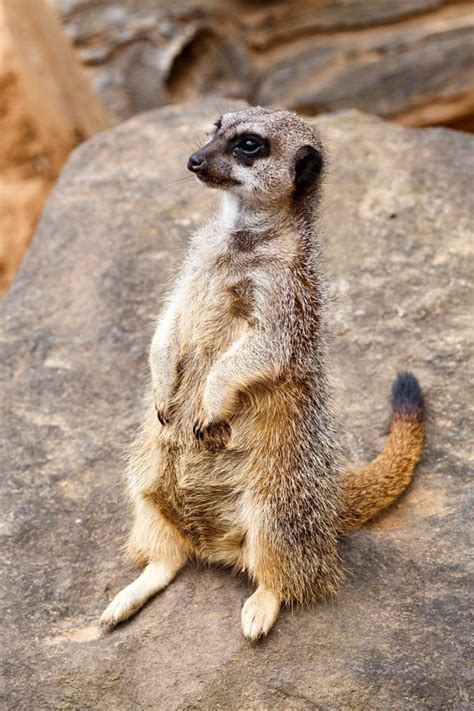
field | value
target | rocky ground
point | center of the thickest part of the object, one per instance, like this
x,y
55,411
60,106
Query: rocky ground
x,y
75,330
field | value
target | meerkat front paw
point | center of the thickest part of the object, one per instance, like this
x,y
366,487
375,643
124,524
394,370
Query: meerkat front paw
x,y
259,614
162,407
162,413
216,434
201,428
218,401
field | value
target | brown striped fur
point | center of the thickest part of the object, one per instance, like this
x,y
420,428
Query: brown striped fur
x,y
242,466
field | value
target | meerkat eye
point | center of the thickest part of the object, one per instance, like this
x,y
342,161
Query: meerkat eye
x,y
249,147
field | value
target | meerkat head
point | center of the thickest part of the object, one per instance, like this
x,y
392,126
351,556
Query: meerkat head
x,y
264,157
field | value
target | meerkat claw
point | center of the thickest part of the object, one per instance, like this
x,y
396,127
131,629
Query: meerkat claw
x,y
161,417
200,429
197,431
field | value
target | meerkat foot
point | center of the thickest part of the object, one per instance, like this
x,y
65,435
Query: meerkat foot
x,y
128,601
259,614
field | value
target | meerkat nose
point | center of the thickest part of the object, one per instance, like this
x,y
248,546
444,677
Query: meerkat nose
x,y
195,163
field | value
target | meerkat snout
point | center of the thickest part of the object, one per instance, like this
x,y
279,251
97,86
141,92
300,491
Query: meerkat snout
x,y
195,163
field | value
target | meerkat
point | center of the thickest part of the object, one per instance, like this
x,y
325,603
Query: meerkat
x,y
238,458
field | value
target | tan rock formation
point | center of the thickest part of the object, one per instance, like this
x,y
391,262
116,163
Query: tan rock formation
x,y
46,108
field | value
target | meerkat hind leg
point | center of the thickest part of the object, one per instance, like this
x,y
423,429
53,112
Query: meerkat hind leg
x,y
259,613
155,577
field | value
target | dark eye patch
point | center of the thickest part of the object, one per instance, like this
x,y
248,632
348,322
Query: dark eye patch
x,y
246,148
218,124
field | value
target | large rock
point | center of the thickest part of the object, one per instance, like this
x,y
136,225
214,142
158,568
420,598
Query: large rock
x,y
409,59
75,332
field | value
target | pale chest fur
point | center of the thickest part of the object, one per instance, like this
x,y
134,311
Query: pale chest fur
x,y
200,485
215,309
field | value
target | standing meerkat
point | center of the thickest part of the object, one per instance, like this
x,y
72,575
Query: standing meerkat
x,y
238,459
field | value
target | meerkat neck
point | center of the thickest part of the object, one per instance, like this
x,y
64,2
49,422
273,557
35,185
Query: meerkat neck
x,y
235,215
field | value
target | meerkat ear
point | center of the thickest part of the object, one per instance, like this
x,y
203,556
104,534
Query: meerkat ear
x,y
307,167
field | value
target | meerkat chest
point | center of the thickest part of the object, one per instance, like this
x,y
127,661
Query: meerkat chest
x,y
216,309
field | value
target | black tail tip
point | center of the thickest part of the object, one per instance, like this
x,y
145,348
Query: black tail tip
x,y
407,398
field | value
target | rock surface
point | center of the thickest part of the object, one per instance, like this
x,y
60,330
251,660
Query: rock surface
x,y
74,334
409,59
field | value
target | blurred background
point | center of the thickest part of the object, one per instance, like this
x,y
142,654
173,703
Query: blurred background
x,y
70,68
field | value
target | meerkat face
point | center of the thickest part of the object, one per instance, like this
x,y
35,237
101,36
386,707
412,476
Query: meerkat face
x,y
261,155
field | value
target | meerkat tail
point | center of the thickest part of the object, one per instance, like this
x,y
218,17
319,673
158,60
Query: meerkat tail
x,y
370,489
